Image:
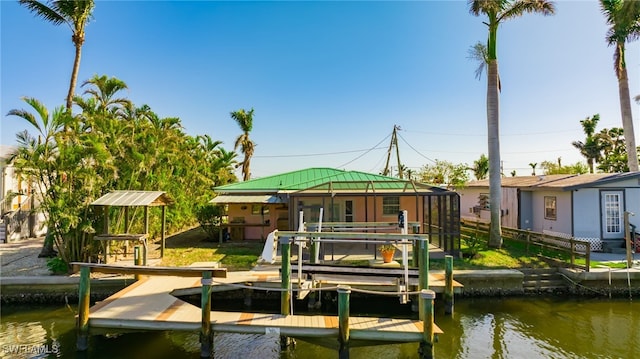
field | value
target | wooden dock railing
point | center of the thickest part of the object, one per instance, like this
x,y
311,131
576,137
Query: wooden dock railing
x,y
574,247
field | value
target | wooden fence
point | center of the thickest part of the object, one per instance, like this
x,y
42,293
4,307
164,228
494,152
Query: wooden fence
x,y
574,247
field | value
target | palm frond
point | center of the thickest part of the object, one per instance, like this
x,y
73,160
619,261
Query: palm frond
x,y
479,54
519,7
42,10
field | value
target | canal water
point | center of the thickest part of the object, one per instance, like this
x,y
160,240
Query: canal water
x,y
525,327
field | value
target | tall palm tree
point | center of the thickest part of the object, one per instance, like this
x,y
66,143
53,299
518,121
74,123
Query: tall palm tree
x,y
498,11
245,121
74,13
590,148
624,20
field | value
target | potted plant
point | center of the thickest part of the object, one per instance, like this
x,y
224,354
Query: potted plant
x,y
387,251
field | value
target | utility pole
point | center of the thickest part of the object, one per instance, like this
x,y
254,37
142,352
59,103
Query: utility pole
x,y
394,142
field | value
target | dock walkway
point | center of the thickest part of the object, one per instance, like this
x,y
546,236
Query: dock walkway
x,y
149,305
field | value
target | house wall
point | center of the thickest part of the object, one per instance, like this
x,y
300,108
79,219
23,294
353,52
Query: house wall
x,y
562,223
586,213
469,198
588,208
256,226
364,209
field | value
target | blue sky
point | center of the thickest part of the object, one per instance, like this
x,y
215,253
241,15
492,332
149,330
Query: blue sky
x,y
329,80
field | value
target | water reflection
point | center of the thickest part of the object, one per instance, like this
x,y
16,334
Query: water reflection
x,y
479,328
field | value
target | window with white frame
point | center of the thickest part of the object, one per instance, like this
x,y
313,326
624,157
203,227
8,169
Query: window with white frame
x,y
390,205
550,211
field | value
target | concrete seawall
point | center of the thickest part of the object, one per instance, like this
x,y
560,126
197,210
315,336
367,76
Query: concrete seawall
x,y
477,283
56,289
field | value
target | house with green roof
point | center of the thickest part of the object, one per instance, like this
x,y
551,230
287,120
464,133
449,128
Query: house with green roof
x,y
259,206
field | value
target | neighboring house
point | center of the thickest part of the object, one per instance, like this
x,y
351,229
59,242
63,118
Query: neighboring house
x,y
17,219
10,184
582,206
259,206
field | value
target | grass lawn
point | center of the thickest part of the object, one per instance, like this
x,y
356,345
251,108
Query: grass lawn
x,y
192,245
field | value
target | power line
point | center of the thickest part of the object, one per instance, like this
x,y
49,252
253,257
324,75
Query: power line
x,y
418,152
371,149
318,154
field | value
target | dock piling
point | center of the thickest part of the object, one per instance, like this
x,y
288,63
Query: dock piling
x,y
84,297
344,292
423,273
425,351
285,297
448,286
206,334
137,259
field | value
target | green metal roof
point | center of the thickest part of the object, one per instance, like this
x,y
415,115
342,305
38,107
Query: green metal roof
x,y
314,178
285,181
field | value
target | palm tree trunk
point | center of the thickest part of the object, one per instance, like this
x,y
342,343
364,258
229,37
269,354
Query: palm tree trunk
x,y
74,75
493,128
627,121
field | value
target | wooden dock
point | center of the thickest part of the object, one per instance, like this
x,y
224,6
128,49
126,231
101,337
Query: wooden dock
x,y
151,304
148,305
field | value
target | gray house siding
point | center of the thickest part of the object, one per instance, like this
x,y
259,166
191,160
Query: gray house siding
x,y
526,210
586,213
562,222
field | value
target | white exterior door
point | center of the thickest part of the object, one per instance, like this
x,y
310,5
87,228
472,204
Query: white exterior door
x,y
612,203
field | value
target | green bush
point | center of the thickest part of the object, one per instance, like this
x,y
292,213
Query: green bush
x,y
57,265
209,216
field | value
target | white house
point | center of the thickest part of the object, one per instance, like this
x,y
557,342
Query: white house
x,y
18,216
582,206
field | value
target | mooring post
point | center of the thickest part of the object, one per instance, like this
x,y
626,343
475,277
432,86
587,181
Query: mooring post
x,y
206,335
137,260
425,351
285,275
285,278
84,297
448,287
423,272
415,248
343,320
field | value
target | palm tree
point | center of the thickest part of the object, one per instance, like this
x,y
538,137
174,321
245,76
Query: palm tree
x,y
533,167
624,20
498,11
103,90
74,13
37,157
481,167
245,121
590,148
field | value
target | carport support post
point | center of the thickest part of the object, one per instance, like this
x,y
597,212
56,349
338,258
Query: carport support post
x,y
206,335
343,320
84,296
448,284
163,230
425,351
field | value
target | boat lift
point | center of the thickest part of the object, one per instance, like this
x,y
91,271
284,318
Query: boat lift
x,y
304,238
